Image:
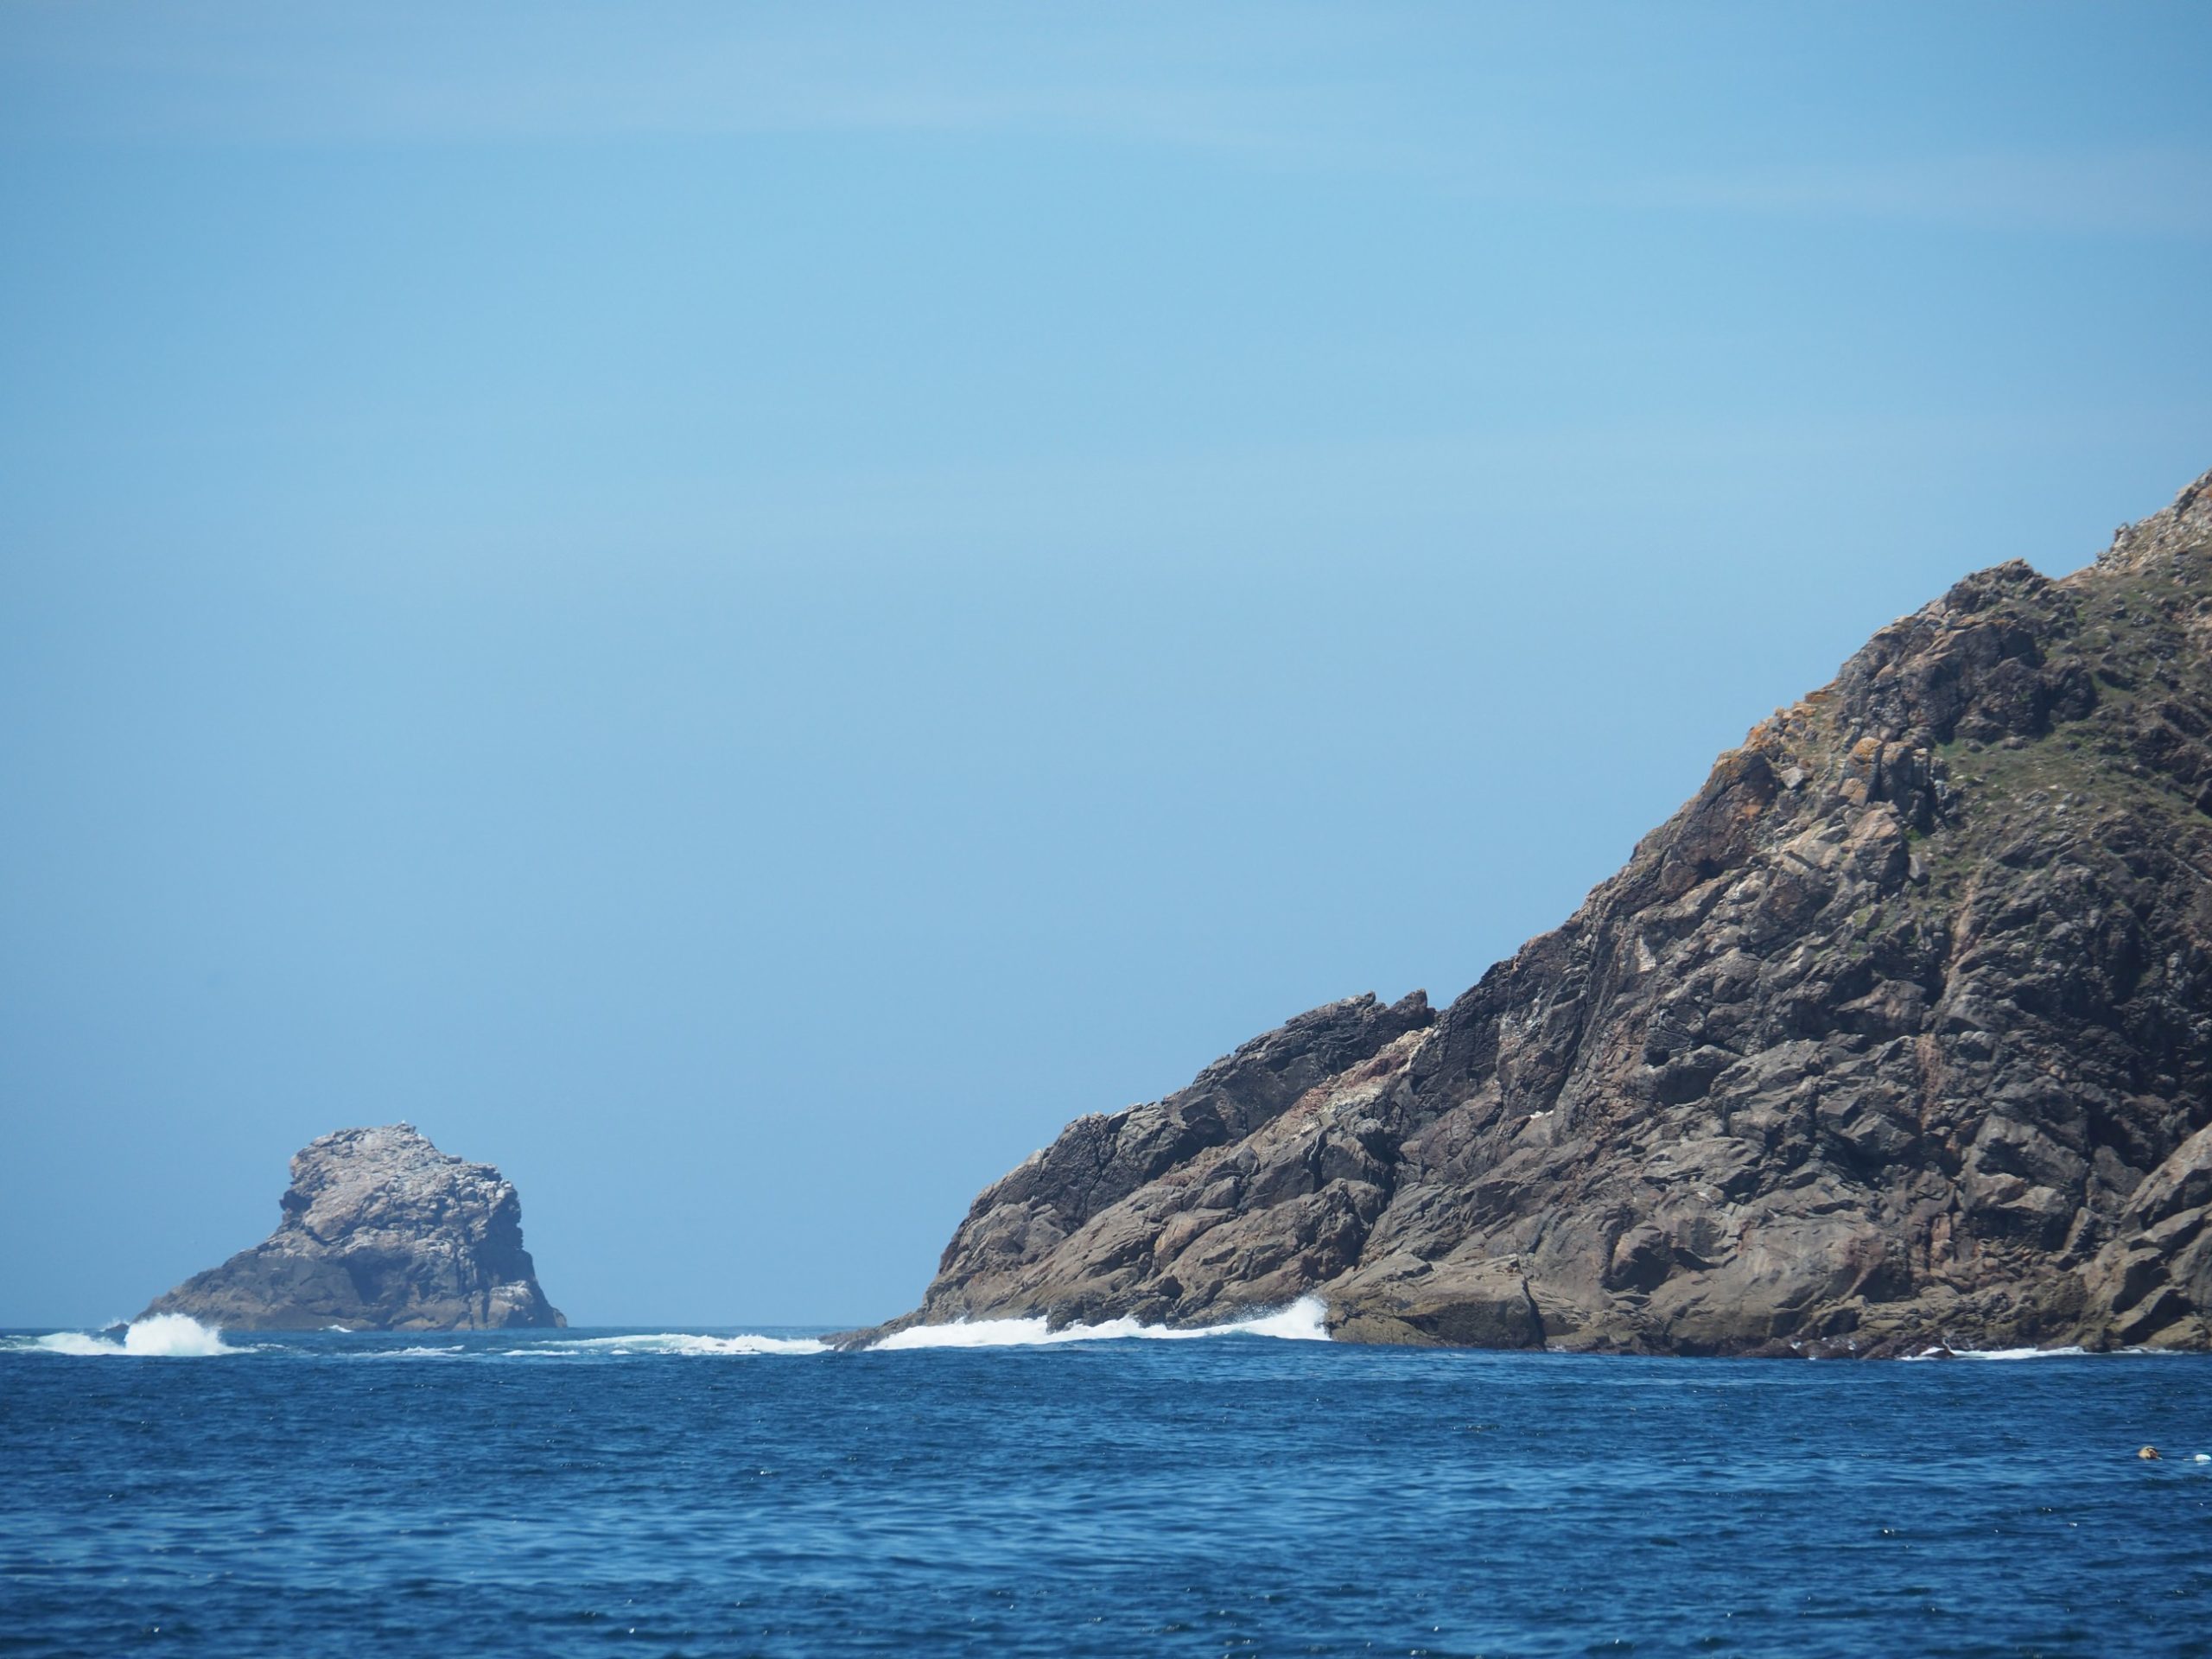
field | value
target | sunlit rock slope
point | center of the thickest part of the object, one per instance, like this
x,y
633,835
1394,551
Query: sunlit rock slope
x,y
1898,1033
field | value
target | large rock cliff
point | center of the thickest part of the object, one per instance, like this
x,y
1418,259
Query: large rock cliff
x,y
381,1231
1899,1033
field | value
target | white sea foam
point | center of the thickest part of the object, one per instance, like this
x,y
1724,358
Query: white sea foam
x,y
166,1335
674,1342
1999,1353
1304,1320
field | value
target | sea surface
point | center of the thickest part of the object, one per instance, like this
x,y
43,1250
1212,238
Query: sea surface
x,y
722,1493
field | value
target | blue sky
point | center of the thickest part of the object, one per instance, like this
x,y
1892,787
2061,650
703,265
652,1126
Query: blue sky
x,y
742,610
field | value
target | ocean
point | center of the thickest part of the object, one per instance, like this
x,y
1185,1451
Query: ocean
x,y
1245,1492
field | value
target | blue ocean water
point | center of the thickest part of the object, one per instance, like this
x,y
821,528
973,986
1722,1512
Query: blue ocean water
x,y
581,1493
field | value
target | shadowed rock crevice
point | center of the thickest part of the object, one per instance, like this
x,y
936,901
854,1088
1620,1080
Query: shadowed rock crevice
x,y
381,1231
1899,1032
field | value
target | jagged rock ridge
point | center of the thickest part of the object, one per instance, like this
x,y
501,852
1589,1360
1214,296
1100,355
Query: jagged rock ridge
x,y
1899,1033
381,1231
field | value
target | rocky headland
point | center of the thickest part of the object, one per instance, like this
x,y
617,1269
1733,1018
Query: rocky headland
x,y
381,1231
1897,1036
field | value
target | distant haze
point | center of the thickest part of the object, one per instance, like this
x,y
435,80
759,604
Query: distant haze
x,y
741,611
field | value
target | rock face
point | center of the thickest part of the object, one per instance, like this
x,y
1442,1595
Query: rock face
x,y
1898,1033
381,1231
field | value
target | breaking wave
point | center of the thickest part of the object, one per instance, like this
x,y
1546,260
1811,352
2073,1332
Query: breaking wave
x,y
1304,1320
1998,1353
166,1335
179,1336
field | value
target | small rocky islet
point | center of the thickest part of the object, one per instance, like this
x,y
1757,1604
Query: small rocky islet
x,y
1897,1037
381,1231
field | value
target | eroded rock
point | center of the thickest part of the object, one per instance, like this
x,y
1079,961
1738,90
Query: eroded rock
x,y
1897,1036
381,1231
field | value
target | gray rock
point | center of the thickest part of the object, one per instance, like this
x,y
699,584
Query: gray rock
x,y
381,1231
1899,1033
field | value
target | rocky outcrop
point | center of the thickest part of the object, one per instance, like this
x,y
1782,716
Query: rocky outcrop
x,y
1899,1034
381,1231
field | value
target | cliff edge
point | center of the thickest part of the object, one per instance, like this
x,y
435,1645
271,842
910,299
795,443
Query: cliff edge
x,y
381,1231
1897,1035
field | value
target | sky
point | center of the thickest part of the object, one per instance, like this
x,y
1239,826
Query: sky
x,y
742,610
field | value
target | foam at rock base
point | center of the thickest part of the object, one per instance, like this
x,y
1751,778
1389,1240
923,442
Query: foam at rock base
x,y
179,1336
1304,1320
166,1335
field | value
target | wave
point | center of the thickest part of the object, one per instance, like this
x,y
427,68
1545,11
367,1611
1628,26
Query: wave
x,y
179,1336
674,1342
1304,1320
166,1335
1998,1353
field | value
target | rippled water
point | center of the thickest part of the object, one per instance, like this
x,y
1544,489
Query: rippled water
x,y
663,1493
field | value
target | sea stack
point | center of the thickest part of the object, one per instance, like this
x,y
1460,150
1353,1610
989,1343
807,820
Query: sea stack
x,y
1897,1035
381,1231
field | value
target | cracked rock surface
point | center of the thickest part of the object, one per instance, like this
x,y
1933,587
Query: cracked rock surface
x,y
381,1231
1899,1034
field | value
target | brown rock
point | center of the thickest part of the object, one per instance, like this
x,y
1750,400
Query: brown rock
x,y
1898,1036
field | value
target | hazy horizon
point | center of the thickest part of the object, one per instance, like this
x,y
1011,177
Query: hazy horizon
x,y
742,614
